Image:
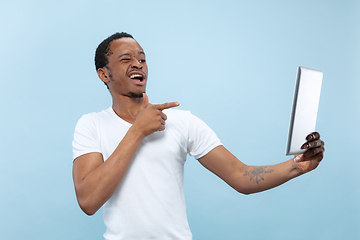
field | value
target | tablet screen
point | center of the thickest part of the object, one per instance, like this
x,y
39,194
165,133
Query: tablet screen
x,y
304,108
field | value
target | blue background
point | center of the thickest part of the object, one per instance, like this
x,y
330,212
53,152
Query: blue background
x,y
232,63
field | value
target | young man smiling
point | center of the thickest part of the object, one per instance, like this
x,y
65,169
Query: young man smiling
x,y
127,160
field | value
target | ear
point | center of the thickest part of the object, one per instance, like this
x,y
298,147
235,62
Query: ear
x,y
103,75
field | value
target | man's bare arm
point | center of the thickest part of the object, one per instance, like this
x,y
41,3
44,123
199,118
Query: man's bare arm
x,y
251,179
96,180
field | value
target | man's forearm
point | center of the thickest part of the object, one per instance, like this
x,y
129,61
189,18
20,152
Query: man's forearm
x,y
254,179
247,179
97,186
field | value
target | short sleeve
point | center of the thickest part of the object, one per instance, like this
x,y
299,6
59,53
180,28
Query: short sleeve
x,y
202,139
86,137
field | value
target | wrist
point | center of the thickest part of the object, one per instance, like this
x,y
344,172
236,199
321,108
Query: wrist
x,y
136,133
296,168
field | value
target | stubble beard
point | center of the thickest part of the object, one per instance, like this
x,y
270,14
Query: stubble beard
x,y
135,95
130,94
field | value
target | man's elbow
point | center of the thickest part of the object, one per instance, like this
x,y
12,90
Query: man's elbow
x,y
88,208
244,190
88,211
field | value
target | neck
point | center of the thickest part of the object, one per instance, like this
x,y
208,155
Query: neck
x,y
126,107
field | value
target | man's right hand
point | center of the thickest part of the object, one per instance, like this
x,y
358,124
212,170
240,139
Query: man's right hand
x,y
150,117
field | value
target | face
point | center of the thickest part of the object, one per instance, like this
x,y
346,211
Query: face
x,y
126,73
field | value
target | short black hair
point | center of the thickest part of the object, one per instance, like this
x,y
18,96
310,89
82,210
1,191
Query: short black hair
x,y
102,51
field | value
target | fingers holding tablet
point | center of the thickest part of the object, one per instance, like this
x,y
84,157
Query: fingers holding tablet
x,y
314,147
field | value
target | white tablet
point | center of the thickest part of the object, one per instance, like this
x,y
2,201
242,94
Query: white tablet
x,y
304,109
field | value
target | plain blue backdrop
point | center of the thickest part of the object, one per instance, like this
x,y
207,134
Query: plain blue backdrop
x,y
232,63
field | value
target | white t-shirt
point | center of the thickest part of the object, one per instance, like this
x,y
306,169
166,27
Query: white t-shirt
x,y
149,202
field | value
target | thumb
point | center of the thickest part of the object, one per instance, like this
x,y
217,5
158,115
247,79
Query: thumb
x,y
145,102
298,157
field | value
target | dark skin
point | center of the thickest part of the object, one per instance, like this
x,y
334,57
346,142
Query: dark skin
x,y
251,179
96,180
315,152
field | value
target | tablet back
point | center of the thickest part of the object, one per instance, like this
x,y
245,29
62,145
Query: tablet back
x,y
304,109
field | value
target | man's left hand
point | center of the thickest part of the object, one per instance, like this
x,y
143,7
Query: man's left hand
x,y
312,157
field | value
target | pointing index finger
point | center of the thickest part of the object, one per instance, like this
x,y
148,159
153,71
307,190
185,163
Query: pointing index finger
x,y
167,105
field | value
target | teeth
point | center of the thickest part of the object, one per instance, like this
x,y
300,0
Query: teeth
x,y
135,75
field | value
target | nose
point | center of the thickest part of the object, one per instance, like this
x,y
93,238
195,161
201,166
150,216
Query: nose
x,y
137,64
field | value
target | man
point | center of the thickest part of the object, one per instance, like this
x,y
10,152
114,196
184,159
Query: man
x,y
127,160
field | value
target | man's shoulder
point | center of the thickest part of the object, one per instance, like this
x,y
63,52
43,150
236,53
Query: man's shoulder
x,y
102,113
181,118
90,118
177,114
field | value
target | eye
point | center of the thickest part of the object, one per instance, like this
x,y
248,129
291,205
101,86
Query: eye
x,y
125,59
142,60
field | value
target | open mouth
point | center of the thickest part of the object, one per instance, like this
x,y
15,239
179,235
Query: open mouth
x,y
137,76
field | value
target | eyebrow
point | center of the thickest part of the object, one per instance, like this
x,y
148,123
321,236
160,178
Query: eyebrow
x,y
128,54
